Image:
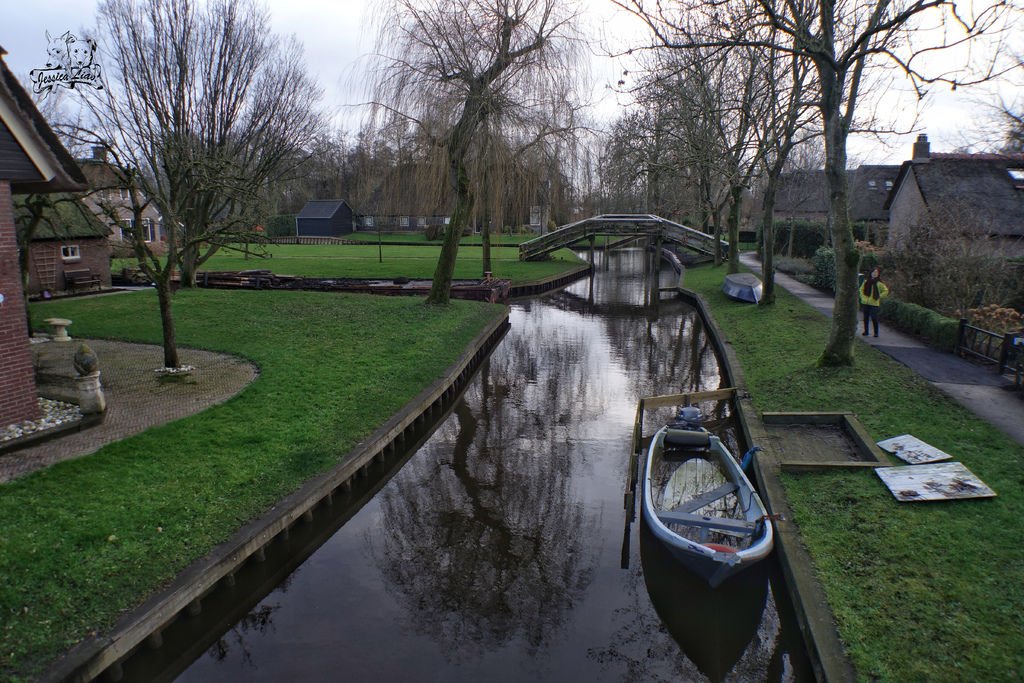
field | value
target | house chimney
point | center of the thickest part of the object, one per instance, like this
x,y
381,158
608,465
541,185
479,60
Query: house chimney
x,y
922,149
99,153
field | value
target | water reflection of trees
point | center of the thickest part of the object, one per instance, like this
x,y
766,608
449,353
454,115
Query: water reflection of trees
x,y
482,533
484,536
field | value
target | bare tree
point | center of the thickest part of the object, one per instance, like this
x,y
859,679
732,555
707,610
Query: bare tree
x,y
784,125
469,70
844,39
206,110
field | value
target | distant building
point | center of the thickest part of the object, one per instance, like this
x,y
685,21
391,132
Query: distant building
x,y
73,241
112,203
986,190
325,218
32,160
803,195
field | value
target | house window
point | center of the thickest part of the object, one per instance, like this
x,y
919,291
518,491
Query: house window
x,y
404,221
128,229
888,184
70,253
127,225
125,194
873,184
368,221
1017,174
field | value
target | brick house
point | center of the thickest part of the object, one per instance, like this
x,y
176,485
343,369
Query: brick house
x,y
32,160
70,240
110,201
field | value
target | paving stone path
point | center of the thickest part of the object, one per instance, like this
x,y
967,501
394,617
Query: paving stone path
x,y
137,397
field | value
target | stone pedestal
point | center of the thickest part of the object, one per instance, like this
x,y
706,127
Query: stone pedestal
x,y
90,394
60,331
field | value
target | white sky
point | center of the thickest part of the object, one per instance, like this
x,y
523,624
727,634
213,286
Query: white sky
x,y
337,33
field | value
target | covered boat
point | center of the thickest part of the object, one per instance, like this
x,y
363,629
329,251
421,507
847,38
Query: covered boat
x,y
700,504
743,287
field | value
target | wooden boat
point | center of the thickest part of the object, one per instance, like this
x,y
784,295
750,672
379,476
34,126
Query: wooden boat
x,y
700,504
743,287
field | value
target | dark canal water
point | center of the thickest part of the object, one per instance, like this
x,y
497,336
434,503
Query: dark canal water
x,y
495,551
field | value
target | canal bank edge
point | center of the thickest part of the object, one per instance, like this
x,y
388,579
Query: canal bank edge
x,y
92,657
817,623
547,284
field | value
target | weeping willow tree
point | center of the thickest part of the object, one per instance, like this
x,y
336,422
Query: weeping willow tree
x,y
483,81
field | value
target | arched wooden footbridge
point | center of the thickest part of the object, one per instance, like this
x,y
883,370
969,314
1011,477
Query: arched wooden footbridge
x,y
624,225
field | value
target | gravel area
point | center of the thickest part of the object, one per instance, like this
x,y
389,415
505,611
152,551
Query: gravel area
x,y
53,414
137,397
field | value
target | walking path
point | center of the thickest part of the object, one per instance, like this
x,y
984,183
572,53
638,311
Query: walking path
x,y
978,388
137,397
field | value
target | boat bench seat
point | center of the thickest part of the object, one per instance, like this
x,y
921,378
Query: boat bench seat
x,y
703,499
684,438
734,526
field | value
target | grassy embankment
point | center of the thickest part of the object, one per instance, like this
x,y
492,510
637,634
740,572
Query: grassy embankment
x,y
86,539
921,591
362,261
421,238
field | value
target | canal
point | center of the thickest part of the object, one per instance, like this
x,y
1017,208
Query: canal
x,y
494,548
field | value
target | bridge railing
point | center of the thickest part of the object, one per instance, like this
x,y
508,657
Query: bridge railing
x,y
620,224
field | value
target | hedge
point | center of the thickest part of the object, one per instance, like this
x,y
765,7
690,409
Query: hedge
x,y
938,330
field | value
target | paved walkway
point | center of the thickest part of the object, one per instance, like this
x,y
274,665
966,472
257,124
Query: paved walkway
x,y
978,388
137,397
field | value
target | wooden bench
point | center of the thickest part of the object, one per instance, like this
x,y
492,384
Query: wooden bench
x,y
81,278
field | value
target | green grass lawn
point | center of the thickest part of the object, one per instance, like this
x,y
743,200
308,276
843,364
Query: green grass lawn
x,y
364,261
86,539
419,237
921,592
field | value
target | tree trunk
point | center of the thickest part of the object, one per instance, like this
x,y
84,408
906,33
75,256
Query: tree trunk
x,y
163,293
736,198
485,238
839,349
189,265
768,241
717,214
440,288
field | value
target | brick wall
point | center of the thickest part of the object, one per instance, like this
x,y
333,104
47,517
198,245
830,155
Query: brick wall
x,y
18,399
95,255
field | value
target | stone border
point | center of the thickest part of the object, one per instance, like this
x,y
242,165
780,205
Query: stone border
x,y
817,623
549,283
44,435
94,656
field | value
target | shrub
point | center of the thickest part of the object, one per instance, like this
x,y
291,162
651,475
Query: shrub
x,y
280,225
995,318
797,267
938,330
825,268
799,238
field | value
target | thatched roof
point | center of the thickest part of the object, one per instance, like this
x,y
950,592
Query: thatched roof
x,y
38,160
979,185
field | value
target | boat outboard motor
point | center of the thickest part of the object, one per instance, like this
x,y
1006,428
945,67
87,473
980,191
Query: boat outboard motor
x,y
689,417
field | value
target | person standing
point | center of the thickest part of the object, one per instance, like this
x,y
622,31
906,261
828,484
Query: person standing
x,y
871,294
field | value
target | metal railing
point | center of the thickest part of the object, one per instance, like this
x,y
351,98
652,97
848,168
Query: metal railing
x,y
1002,350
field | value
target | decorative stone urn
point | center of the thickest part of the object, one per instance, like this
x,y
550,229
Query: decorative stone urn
x,y
90,392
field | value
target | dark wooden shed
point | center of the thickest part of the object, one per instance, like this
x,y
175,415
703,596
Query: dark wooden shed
x,y
325,218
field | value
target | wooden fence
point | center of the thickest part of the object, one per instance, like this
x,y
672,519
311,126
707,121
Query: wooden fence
x,y
1004,351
